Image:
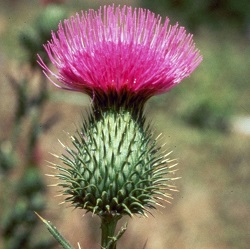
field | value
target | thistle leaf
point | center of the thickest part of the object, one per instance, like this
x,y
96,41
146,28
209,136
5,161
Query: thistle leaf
x,y
52,229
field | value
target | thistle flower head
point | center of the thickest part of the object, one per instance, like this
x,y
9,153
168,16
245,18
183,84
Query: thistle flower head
x,y
120,57
121,51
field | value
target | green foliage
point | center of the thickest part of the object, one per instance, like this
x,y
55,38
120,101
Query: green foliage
x,y
194,13
218,90
7,157
33,37
206,114
19,224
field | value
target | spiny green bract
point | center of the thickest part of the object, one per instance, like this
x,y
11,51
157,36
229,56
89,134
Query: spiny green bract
x,y
115,167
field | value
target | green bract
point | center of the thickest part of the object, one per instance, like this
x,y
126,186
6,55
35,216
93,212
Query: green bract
x,y
115,167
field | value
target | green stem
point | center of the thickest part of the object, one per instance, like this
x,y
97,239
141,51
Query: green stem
x,y
108,226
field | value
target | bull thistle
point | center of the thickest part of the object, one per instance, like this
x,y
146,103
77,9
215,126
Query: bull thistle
x,y
120,57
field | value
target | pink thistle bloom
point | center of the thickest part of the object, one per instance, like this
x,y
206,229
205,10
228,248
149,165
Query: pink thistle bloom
x,y
120,50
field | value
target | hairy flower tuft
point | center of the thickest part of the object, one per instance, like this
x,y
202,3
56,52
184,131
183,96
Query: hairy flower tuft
x,y
120,50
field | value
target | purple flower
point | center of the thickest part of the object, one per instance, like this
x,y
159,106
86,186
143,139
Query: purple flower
x,y
120,50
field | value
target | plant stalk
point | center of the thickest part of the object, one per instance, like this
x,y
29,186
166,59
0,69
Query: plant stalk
x,y
108,226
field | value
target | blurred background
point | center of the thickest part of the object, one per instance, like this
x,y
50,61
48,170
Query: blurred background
x,y
205,121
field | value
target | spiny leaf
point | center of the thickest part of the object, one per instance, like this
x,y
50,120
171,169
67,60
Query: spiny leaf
x,y
52,229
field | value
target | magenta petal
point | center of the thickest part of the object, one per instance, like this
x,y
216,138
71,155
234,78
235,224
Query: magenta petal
x,y
120,49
